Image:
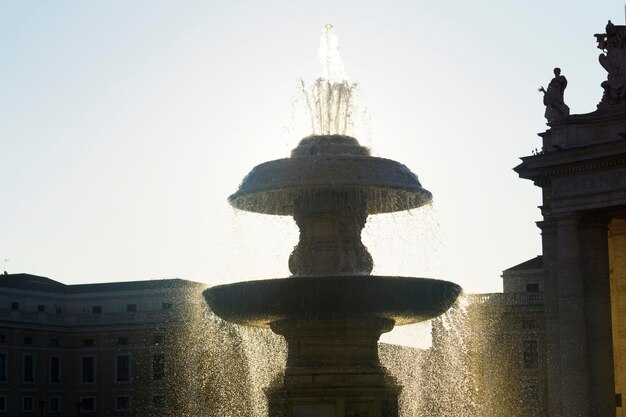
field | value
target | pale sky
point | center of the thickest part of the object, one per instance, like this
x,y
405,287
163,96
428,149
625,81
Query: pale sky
x,y
124,126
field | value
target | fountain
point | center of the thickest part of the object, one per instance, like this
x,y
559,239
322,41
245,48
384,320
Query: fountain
x,y
331,311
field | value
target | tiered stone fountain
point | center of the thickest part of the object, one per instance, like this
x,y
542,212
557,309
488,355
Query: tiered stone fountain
x,y
331,311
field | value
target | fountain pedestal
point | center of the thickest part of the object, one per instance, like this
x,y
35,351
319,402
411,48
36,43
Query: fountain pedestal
x,y
333,370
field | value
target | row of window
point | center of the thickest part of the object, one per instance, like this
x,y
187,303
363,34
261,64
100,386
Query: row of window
x,y
531,393
87,368
41,308
54,342
28,404
97,309
53,404
28,340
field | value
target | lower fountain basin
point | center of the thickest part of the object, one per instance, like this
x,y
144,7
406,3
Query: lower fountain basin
x,y
401,299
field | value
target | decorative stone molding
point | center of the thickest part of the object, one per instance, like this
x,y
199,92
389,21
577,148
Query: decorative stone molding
x,y
589,184
613,60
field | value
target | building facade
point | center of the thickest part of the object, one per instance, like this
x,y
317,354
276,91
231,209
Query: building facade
x,y
581,170
94,349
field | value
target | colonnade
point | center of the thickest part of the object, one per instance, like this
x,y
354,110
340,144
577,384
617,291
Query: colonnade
x,y
580,294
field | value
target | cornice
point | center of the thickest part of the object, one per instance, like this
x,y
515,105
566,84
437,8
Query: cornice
x,y
573,161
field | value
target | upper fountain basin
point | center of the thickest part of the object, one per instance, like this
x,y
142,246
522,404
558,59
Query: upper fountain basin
x,y
401,299
329,162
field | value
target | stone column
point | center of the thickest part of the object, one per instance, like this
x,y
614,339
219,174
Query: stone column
x,y
551,305
572,334
596,283
618,305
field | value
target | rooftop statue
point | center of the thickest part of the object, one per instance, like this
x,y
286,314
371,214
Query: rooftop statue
x,y
556,109
613,60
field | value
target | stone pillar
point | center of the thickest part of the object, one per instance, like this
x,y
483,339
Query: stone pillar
x,y
618,305
596,284
572,334
551,303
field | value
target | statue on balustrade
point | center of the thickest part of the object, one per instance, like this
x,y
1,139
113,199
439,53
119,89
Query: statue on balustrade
x,y
556,109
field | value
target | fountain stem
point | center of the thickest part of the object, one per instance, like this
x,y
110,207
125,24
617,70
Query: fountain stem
x,y
332,343
330,223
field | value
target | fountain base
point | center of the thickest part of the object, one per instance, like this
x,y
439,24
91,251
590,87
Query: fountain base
x,y
333,370
338,402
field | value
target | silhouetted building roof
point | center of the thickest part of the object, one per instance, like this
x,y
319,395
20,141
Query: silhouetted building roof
x,y
37,283
28,281
531,264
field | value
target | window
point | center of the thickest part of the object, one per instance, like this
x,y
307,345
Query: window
x,y
3,403
529,324
3,338
166,306
122,403
88,404
54,404
28,404
96,309
28,368
158,366
158,401
88,369
55,370
123,368
131,307
531,354
530,393
54,342
3,367
89,342
28,340
15,305
532,287
618,400
157,340
41,308
121,341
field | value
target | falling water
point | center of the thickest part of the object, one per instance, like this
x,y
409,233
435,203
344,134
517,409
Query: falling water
x,y
266,355
451,390
221,369
406,243
439,381
213,368
206,372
